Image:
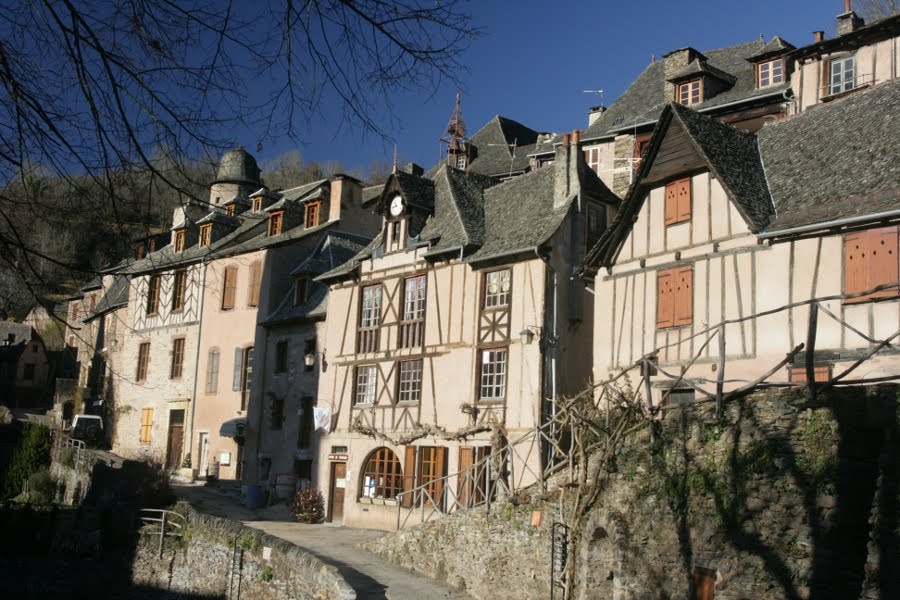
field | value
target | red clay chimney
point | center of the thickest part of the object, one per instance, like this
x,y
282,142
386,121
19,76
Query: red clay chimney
x,y
565,141
576,137
818,36
847,6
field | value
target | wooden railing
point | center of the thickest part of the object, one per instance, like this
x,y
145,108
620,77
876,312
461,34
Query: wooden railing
x,y
368,339
411,334
164,523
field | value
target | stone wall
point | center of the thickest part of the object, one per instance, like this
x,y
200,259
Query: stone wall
x,y
217,554
782,498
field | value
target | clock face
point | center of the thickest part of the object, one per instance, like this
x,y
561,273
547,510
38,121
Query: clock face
x,y
396,205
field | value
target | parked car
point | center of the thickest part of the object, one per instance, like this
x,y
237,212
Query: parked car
x,y
88,428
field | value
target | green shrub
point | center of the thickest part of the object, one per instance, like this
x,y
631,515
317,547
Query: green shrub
x,y
309,506
32,455
41,487
67,458
266,573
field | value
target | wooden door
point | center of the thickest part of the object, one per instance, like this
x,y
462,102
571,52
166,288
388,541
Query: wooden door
x,y
704,584
176,439
338,485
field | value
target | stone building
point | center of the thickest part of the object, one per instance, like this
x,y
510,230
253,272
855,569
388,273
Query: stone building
x,y
445,334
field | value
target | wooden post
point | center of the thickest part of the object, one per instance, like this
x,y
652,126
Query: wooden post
x,y
487,497
720,376
162,533
647,391
811,351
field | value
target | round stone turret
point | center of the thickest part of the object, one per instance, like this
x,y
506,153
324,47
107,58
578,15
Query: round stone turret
x,y
238,175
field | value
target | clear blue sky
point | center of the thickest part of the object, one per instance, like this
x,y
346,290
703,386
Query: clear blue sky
x,y
536,57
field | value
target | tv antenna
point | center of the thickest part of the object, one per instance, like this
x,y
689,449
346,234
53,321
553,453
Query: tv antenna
x,y
598,92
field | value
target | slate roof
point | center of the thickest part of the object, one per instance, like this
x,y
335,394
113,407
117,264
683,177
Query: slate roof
x,y
501,146
115,297
334,249
839,160
458,218
775,46
20,332
642,102
237,165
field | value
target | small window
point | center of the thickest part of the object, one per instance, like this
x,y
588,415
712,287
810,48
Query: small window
x,y
381,475
178,290
364,394
229,210
179,240
301,288
674,297
281,356
678,201
414,298
841,75
311,213
277,412
205,234
870,260
153,285
370,316
243,373
821,374
690,92
770,73
275,222
212,371
496,289
28,374
305,429
229,287
592,158
177,358
410,381
143,361
462,161
257,204
596,224
146,425
493,374
255,282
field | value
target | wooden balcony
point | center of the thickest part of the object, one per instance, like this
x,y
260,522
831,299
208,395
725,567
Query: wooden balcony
x,y
367,339
411,334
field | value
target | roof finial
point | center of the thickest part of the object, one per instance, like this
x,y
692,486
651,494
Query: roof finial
x,y
456,128
394,169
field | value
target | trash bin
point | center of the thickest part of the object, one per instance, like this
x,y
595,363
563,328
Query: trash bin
x,y
254,498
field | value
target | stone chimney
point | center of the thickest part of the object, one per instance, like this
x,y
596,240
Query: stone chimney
x,y
818,36
346,192
674,62
413,169
849,21
594,113
569,170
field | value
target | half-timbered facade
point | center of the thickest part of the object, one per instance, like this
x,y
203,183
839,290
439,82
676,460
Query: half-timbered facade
x,y
738,258
443,336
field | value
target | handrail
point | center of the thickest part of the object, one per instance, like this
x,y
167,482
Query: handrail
x,y
171,524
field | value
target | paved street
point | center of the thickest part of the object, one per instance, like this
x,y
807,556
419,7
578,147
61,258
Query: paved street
x,y
371,577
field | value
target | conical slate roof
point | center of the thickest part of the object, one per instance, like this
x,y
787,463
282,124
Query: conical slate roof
x,y
237,166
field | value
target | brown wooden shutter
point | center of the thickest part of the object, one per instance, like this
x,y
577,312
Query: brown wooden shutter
x,y
255,280
665,299
683,191
684,296
440,470
409,475
230,287
671,203
465,481
883,266
855,270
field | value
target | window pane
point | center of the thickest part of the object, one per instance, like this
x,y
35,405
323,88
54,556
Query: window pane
x,y
414,300
371,308
496,293
493,374
365,385
410,387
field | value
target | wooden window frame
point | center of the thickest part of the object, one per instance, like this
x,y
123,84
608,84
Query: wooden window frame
x,y
154,284
229,287
177,364
205,235
493,372
179,240
821,374
143,362
312,214
365,388
229,210
381,475
146,432
281,357
276,222
592,158
179,289
689,93
500,298
674,299
409,381
370,308
678,201
845,83
870,260
253,292
772,71
257,204
212,371
246,376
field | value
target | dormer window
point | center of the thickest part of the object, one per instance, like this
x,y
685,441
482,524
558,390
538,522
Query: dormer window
x,y
179,240
301,289
311,213
205,234
690,92
770,73
276,220
461,161
229,210
257,203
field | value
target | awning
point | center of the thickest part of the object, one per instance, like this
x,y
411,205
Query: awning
x,y
233,428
